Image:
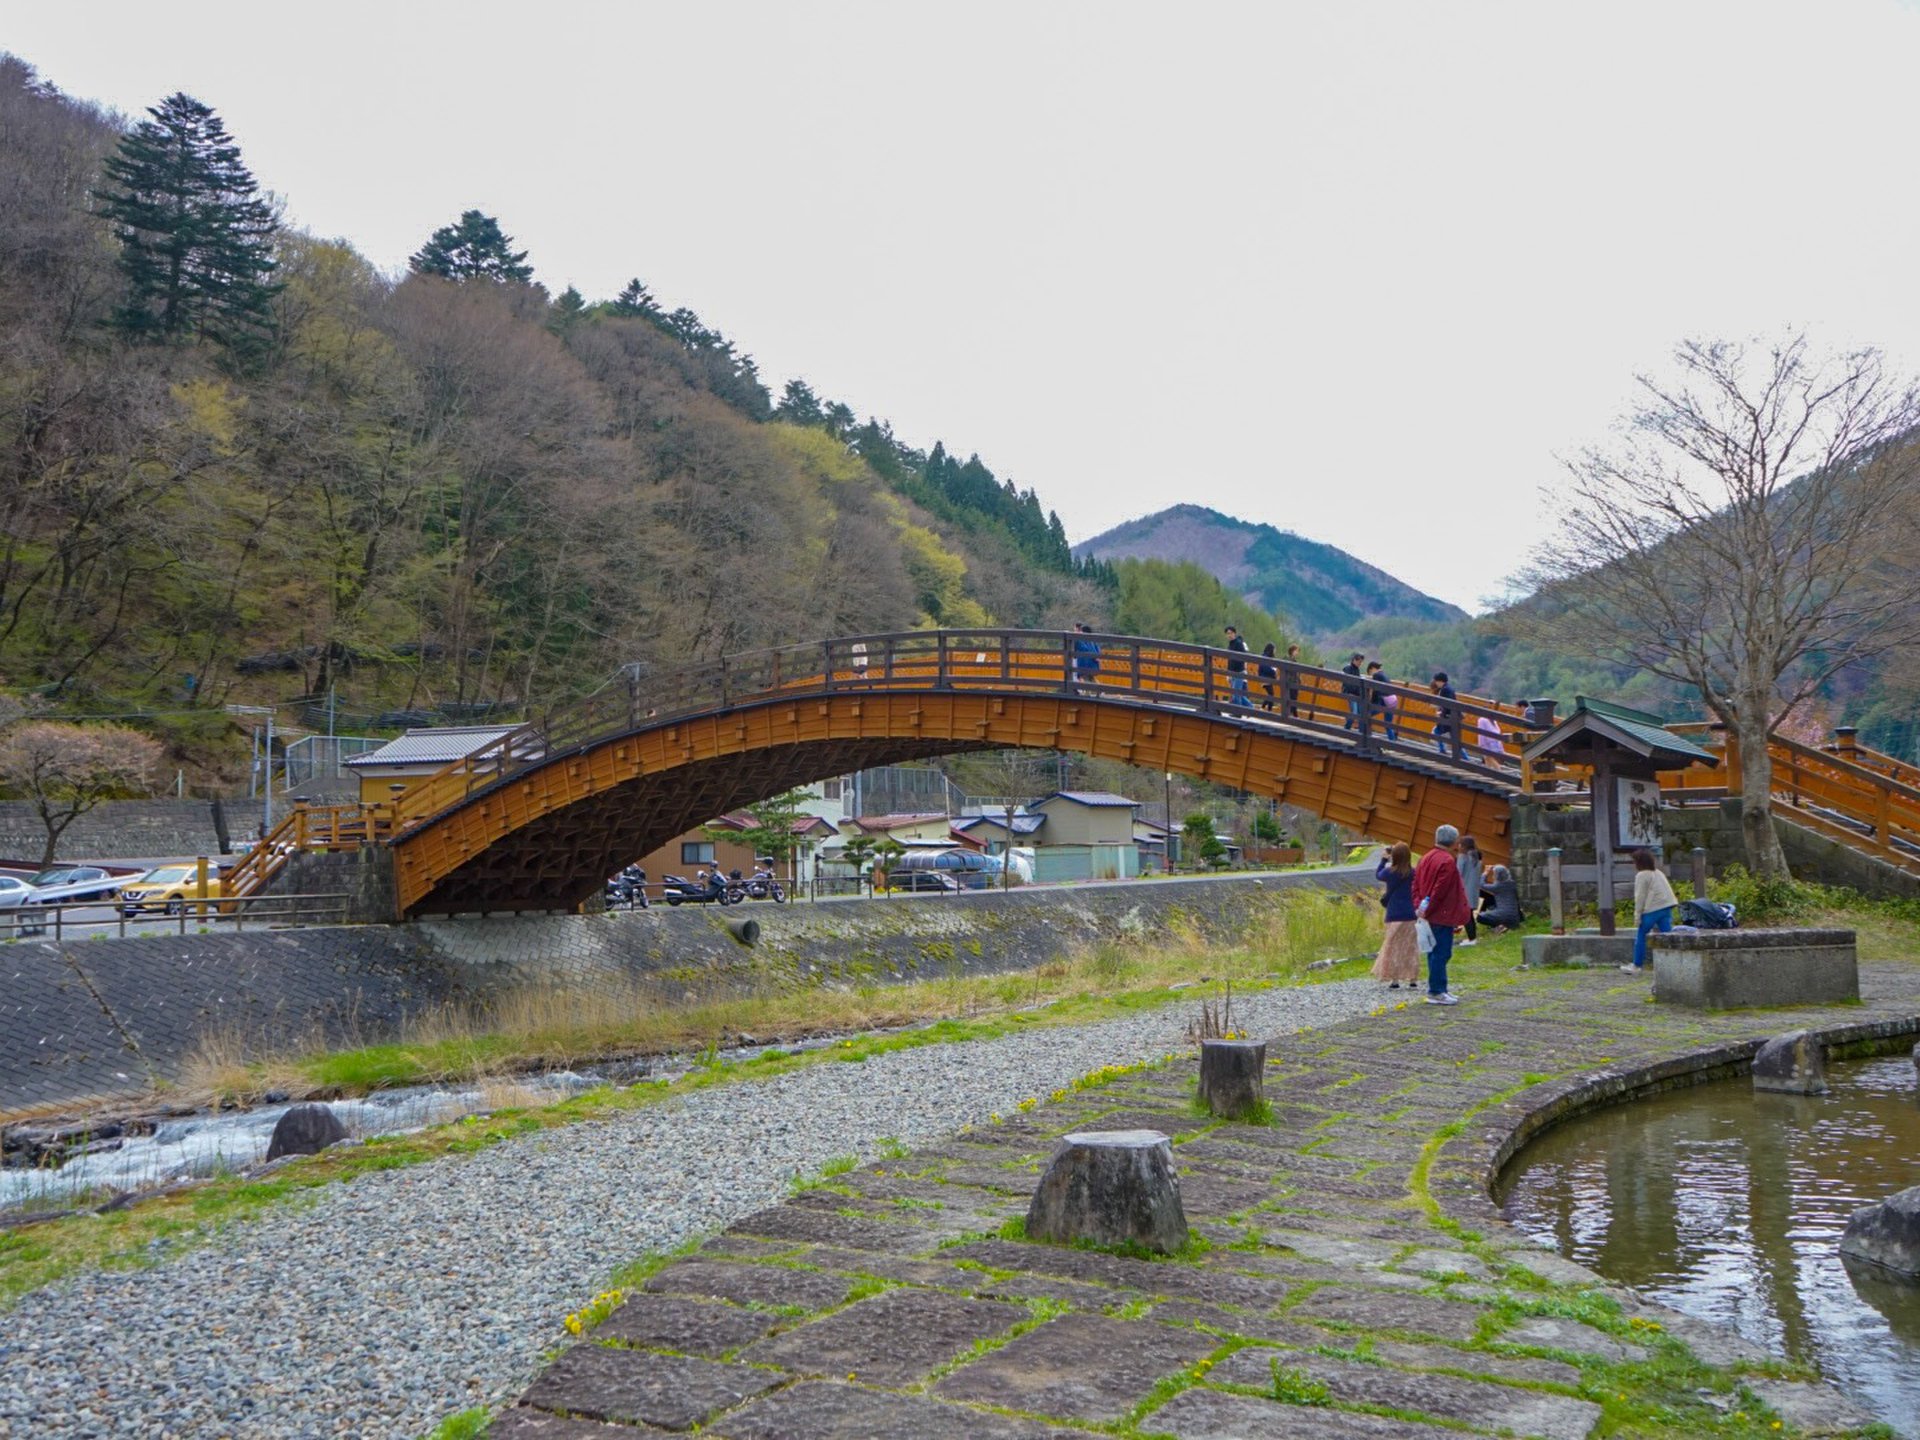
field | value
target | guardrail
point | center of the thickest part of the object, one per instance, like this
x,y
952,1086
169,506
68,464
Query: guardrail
x,y
238,911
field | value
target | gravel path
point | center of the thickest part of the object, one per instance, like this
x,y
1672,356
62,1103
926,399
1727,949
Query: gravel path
x,y
404,1296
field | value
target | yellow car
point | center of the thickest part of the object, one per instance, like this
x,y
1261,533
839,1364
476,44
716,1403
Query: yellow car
x,y
171,889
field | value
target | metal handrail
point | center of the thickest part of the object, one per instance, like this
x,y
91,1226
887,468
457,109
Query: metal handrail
x,y
319,907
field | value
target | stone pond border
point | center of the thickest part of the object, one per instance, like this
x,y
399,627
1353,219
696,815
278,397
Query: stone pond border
x,y
1496,1137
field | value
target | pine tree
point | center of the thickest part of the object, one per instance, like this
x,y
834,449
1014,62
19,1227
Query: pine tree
x,y
566,311
636,300
473,249
196,239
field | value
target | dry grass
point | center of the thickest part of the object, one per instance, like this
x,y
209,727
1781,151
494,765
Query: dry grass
x,y
546,1027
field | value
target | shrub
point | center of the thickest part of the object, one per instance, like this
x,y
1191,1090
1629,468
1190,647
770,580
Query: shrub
x,y
1769,900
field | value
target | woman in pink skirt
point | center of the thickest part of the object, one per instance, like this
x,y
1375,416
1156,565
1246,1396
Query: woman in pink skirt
x,y
1399,960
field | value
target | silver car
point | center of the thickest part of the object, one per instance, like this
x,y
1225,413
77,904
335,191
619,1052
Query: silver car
x,y
66,884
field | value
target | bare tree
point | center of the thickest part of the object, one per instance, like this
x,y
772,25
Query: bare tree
x,y
66,770
1738,537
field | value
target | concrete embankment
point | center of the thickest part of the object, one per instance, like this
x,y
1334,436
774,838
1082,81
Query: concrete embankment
x,y
106,1017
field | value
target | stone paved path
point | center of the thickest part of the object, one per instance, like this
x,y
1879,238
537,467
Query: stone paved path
x,y
1358,1282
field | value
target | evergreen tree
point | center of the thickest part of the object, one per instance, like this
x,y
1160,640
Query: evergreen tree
x,y
566,311
473,249
636,301
799,405
196,239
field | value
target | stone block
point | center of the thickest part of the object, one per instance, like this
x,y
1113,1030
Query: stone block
x,y
893,1339
1793,1064
1887,1234
1111,1187
595,1382
1576,952
1079,1367
1734,969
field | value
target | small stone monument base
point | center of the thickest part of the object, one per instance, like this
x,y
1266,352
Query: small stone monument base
x,y
1233,1077
1793,1064
1110,1187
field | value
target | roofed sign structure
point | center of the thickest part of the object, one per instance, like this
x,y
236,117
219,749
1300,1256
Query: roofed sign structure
x,y
1625,750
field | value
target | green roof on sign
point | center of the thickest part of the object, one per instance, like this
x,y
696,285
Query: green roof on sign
x,y
1635,729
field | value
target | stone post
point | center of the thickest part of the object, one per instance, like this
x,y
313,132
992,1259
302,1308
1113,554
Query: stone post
x,y
1233,1077
1113,1188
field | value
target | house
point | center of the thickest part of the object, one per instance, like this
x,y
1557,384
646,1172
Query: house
x,y
989,831
921,825
1086,817
709,846
1085,835
385,772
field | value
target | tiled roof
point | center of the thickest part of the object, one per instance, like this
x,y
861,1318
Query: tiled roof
x,y
432,746
897,822
1091,797
1022,824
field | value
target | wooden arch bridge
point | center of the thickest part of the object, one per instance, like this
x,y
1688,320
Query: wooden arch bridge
x,y
539,818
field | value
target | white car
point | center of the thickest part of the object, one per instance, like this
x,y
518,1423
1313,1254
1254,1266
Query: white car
x,y
68,884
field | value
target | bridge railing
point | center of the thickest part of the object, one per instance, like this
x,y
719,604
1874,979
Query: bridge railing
x,y
1374,718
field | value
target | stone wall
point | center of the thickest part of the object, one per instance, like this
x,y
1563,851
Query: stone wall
x,y
1716,828
123,829
120,1016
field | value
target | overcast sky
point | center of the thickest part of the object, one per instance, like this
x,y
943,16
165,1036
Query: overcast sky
x,y
1356,270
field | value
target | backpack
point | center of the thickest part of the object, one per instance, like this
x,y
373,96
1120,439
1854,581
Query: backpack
x,y
1707,915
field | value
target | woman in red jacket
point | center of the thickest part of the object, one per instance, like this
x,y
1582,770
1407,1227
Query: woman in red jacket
x,y
1440,900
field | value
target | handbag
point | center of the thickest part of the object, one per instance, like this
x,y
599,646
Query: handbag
x,y
1423,935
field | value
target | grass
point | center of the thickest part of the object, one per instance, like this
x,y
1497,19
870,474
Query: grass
x,y
551,1027
467,1425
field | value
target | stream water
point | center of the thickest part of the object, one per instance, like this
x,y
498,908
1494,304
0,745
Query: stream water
x,y
1729,1205
197,1146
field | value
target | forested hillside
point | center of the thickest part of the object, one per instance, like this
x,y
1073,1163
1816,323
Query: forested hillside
x,y
1319,588
238,463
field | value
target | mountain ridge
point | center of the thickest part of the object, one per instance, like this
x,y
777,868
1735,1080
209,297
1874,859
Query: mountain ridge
x,y
1320,588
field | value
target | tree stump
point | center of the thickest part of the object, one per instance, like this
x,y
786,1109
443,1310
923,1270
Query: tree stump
x,y
1233,1076
1111,1187
1794,1064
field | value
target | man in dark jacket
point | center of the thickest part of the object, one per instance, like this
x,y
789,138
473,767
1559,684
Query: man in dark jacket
x,y
1443,724
1440,900
1237,665
1353,690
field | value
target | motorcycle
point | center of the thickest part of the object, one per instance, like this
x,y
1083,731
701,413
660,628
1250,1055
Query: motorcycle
x,y
628,890
762,885
709,889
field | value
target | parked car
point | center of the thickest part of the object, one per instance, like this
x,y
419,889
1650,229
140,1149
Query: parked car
x,y
14,893
170,889
68,884
920,878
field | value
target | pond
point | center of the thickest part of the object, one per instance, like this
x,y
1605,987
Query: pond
x,y
1729,1205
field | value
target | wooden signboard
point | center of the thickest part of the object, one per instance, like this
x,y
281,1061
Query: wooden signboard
x,y
1637,811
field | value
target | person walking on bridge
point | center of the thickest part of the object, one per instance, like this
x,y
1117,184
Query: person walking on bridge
x,y
1086,658
1269,672
1354,690
1439,900
1237,665
1446,716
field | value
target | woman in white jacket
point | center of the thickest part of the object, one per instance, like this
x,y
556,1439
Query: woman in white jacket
x,y
1653,905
